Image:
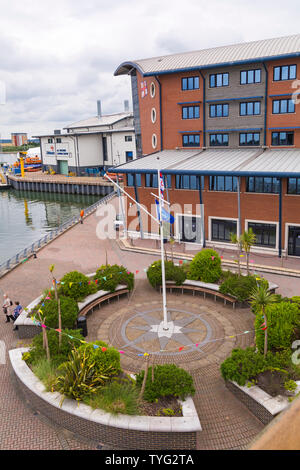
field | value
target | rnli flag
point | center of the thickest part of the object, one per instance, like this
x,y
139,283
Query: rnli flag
x,y
165,215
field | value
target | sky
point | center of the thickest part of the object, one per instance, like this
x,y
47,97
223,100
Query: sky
x,y
58,57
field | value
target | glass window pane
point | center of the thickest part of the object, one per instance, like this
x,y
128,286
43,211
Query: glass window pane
x,y
219,110
256,136
185,140
291,106
129,179
284,72
276,73
212,139
220,183
191,112
219,79
177,181
242,139
197,139
225,139
250,76
196,112
196,82
293,72
184,112
267,185
212,183
138,179
184,83
212,81
243,109
193,182
276,108
283,106
250,184
225,79
282,138
215,231
190,83
275,138
249,138
257,107
212,109
225,110
191,139
243,78
228,183
234,183
257,76
259,184
290,138
219,139
292,185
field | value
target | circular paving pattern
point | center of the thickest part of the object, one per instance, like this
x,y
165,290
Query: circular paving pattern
x,y
197,335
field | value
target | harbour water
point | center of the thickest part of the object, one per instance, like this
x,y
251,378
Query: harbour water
x,y
9,158
25,216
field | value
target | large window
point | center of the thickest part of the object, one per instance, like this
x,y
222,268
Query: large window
x,y
265,234
190,83
191,140
223,183
260,184
250,76
250,108
190,112
249,138
187,182
293,186
218,140
218,110
285,72
131,177
282,138
218,79
283,106
221,229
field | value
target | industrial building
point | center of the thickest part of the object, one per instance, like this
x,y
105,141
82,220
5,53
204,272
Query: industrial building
x,y
91,144
225,125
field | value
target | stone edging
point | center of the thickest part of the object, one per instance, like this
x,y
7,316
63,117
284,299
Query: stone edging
x,y
263,406
97,424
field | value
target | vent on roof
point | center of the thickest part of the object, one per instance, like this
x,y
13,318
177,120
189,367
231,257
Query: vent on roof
x,y
99,111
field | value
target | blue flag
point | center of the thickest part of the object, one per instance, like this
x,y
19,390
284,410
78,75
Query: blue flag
x,y
165,215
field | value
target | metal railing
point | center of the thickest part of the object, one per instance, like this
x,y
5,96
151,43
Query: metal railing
x,y
34,247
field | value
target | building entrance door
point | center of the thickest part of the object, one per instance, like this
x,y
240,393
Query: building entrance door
x,y
63,167
294,241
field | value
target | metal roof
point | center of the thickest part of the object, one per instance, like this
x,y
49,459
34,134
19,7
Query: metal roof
x,y
266,49
106,120
234,162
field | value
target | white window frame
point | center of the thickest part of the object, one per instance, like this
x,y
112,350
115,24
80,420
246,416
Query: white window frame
x,y
286,235
216,242
264,248
177,228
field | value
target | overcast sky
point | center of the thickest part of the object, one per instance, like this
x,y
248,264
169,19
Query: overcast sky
x,y
58,57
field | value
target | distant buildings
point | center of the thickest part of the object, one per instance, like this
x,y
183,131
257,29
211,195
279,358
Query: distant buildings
x,y
18,139
86,146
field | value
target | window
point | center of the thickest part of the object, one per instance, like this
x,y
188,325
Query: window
x,y
154,141
218,79
129,156
151,180
131,177
128,138
223,183
283,106
152,89
282,138
260,184
250,76
58,140
190,83
250,108
218,110
265,234
187,182
190,112
284,72
221,229
50,141
191,140
249,138
218,140
293,186
153,115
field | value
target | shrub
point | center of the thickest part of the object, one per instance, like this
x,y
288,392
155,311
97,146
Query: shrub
x,y
205,266
282,320
172,273
76,285
106,361
79,377
169,380
116,397
37,352
69,312
240,287
109,277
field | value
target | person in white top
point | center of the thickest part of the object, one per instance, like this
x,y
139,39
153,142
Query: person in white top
x,y
6,308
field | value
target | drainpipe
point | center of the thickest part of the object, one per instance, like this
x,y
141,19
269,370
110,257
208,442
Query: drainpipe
x,y
266,104
280,219
239,228
204,109
160,113
201,210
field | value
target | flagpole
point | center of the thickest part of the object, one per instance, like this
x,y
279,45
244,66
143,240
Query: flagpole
x,y
163,275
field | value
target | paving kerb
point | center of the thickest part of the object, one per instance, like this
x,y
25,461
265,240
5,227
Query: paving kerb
x,y
221,413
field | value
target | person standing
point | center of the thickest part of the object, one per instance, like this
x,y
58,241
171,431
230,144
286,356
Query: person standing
x,y
18,309
6,308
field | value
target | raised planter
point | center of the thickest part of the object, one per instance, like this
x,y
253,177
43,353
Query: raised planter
x,y
261,404
121,431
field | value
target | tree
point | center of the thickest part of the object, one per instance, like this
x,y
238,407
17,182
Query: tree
x,y
247,241
237,241
260,298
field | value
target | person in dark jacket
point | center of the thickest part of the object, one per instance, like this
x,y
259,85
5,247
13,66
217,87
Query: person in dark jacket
x,y
18,309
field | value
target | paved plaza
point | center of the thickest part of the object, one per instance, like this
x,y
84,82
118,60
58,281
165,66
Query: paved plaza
x,y
134,325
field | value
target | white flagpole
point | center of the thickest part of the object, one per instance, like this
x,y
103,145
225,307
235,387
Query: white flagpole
x,y
163,274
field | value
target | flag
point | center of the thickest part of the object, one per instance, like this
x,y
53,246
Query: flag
x,y
144,90
165,215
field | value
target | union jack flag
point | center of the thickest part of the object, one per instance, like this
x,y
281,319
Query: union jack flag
x,y
144,90
161,185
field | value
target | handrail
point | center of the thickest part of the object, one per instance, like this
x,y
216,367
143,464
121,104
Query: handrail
x,y
34,247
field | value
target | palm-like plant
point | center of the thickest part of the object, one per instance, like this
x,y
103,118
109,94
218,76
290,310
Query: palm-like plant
x,y
247,240
260,298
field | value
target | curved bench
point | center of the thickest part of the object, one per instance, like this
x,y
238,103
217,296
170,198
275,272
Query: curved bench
x,y
206,288
97,299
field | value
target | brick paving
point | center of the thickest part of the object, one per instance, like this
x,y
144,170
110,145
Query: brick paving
x,y
227,424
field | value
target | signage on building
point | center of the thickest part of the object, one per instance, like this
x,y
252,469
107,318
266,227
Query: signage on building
x,y
58,150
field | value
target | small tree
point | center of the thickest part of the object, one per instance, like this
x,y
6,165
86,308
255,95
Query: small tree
x,y
248,239
51,269
260,299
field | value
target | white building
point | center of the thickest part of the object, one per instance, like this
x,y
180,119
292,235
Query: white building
x,y
91,144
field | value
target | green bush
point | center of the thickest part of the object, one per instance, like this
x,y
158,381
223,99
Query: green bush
x,y
240,287
57,356
109,277
116,397
205,266
69,312
172,273
106,360
169,380
76,285
282,320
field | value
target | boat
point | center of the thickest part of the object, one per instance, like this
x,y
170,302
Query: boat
x,y
32,160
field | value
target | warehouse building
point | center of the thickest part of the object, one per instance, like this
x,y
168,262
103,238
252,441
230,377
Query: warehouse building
x,y
89,145
225,124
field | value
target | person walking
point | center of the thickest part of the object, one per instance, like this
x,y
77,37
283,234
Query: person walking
x,y
6,308
17,310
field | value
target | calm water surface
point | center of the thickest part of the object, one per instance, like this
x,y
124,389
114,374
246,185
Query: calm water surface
x,y
25,216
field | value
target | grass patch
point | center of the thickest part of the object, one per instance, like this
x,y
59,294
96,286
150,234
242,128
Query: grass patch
x,y
46,372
